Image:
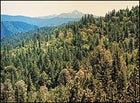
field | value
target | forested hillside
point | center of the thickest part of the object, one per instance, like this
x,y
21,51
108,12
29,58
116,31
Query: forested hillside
x,y
13,27
19,38
92,60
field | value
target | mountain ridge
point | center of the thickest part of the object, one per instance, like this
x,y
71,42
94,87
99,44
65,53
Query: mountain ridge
x,y
13,27
50,20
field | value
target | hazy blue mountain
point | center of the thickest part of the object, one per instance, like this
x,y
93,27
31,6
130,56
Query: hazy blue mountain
x,y
47,17
55,21
29,20
51,20
14,24
12,27
73,14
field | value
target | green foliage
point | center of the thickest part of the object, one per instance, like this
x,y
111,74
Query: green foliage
x,y
7,92
42,94
91,60
64,77
21,91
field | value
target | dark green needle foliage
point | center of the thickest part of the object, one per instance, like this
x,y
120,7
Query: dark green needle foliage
x,y
91,60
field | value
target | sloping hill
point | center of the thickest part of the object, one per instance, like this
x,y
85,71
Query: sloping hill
x,y
12,27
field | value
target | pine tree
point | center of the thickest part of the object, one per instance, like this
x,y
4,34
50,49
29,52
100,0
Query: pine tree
x,y
8,91
21,91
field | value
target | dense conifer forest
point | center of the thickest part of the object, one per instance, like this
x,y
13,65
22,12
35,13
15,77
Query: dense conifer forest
x,y
91,60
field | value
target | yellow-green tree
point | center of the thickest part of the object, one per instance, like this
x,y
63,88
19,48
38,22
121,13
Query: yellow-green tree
x,y
21,91
42,94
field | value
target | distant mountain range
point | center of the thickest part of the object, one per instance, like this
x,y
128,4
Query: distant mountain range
x,y
73,14
14,24
51,20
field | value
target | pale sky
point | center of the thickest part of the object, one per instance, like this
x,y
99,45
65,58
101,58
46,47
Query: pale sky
x,y
45,8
